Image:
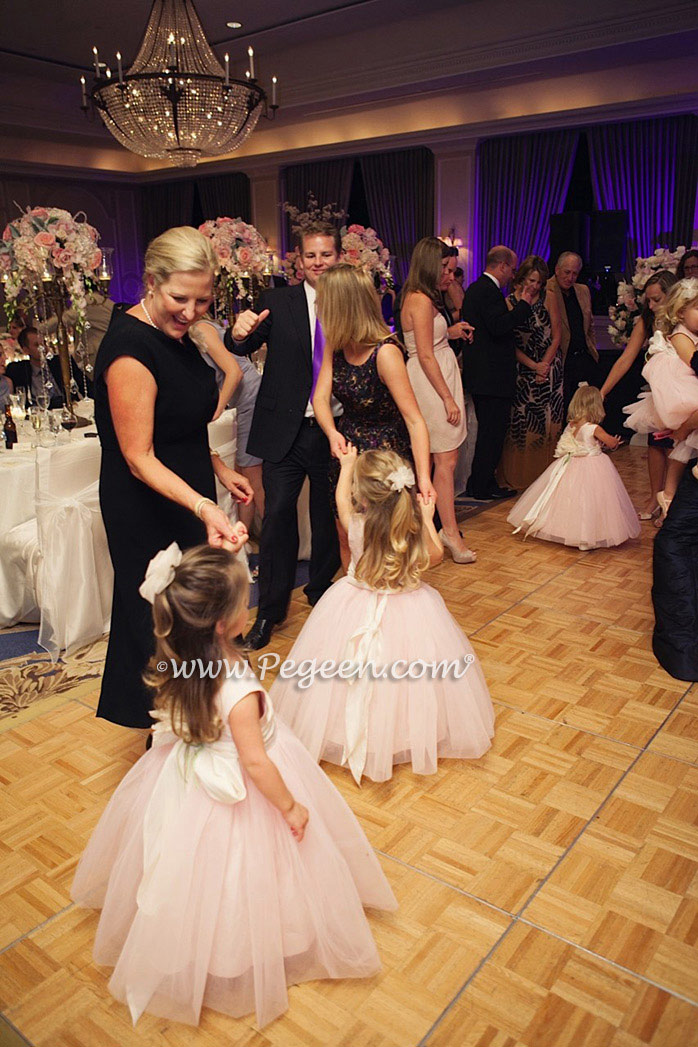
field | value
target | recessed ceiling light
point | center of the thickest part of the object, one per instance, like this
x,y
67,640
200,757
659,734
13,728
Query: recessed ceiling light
x,y
234,25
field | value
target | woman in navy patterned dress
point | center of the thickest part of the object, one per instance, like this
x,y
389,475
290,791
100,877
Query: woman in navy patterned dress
x,y
364,369
537,413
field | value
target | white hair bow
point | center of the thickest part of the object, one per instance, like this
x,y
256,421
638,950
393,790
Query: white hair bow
x,y
161,571
401,477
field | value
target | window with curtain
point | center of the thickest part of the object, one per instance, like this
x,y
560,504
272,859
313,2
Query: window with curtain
x,y
520,181
650,169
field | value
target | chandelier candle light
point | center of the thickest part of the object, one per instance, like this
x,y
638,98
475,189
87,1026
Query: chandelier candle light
x,y
177,102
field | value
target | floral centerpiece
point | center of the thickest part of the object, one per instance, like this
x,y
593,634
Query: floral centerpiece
x,y
243,255
630,298
47,245
361,245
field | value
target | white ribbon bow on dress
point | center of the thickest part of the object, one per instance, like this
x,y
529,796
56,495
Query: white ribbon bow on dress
x,y
364,646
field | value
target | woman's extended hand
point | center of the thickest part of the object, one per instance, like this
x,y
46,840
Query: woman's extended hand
x,y
427,491
220,532
452,409
238,485
338,445
461,329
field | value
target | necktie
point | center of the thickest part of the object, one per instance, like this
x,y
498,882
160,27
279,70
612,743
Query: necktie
x,y
318,352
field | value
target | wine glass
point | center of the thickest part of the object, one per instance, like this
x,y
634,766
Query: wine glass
x,y
43,401
37,420
68,420
54,422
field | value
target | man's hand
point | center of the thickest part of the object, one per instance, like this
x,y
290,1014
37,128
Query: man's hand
x,y
247,322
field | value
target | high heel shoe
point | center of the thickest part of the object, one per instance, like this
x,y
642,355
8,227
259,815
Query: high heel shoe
x,y
456,554
663,502
651,515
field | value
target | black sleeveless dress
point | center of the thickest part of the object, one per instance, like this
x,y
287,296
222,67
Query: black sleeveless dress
x,y
138,521
371,419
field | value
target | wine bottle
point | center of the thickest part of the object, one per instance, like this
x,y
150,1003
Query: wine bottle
x,y
9,429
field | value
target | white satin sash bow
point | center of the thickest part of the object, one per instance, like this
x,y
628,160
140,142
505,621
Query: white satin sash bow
x,y
566,449
364,646
214,767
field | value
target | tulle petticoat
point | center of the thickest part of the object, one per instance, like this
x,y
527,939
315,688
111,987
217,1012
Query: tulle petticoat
x,y
240,909
414,720
673,397
589,507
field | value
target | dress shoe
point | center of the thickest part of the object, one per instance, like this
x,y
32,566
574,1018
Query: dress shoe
x,y
503,492
457,555
259,635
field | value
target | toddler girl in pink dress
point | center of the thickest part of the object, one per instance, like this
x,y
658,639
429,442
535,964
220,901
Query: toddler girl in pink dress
x,y
405,705
226,864
580,499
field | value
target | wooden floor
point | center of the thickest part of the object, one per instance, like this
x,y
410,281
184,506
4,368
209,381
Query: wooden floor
x,y
548,892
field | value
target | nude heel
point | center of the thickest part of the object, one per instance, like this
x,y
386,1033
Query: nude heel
x,y
456,555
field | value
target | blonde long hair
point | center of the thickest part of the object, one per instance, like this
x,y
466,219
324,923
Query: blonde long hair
x,y
585,406
395,553
669,314
209,585
348,308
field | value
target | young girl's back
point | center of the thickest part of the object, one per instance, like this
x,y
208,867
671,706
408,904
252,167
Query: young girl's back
x,y
580,499
422,694
207,898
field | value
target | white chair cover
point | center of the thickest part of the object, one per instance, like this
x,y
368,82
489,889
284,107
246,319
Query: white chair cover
x,y
19,562
75,578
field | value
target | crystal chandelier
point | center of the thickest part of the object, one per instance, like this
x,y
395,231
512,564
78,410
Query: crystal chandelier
x,y
176,102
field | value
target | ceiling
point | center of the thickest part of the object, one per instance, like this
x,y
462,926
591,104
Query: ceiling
x,y
335,58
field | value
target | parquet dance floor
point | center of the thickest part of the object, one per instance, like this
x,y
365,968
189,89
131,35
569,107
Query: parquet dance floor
x,y
548,892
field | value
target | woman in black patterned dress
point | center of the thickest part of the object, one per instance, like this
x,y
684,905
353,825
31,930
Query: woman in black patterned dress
x,y
364,369
537,413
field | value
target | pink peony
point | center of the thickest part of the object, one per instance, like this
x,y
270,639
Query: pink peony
x,y
39,212
7,234
45,239
223,253
244,255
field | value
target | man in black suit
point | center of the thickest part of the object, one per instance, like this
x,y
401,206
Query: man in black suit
x,y
286,436
37,375
489,366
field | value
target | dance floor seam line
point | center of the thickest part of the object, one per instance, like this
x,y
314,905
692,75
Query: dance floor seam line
x,y
39,927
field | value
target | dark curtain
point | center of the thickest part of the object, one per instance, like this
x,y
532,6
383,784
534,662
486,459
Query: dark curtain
x,y
164,205
400,195
650,169
521,180
328,180
225,196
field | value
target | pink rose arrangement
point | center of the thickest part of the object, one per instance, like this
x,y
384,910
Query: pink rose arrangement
x,y
630,298
47,241
243,254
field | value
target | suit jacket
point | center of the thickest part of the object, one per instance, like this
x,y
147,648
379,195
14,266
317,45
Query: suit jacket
x,y
584,299
489,361
21,374
288,371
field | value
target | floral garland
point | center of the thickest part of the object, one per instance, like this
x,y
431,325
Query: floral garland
x,y
630,297
45,243
361,245
242,252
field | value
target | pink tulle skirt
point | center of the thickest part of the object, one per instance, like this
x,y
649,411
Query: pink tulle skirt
x,y
589,508
414,720
240,909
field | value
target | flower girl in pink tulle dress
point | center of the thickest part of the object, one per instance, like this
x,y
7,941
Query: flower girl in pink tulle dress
x,y
671,375
393,704
580,499
226,864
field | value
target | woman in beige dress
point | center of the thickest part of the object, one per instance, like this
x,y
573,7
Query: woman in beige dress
x,y
434,376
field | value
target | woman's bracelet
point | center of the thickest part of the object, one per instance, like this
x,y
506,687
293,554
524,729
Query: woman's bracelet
x,y
200,504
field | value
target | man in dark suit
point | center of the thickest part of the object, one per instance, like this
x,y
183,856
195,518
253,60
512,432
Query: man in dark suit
x,y
286,436
489,366
37,375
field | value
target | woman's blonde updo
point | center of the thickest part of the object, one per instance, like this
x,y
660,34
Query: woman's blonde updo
x,y
209,586
395,553
179,250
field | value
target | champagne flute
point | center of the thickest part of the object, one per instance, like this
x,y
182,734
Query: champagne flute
x,y
68,420
37,419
